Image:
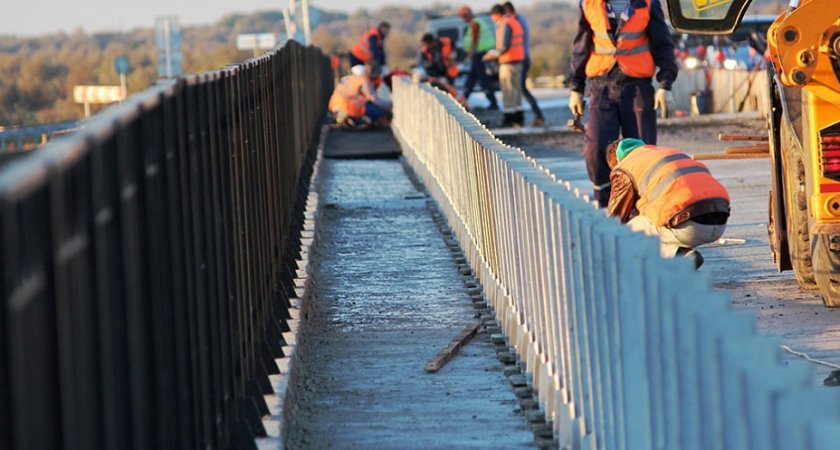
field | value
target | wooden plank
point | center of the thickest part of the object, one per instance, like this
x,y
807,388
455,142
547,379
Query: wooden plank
x,y
717,156
760,148
742,137
445,355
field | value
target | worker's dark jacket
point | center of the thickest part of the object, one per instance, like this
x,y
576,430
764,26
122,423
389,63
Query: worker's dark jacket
x,y
661,48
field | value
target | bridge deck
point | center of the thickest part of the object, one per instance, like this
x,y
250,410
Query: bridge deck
x,y
387,297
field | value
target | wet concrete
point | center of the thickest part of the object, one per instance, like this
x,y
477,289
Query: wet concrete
x,y
387,296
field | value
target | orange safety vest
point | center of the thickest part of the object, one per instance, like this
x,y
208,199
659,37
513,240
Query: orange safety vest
x,y
348,96
631,50
362,48
668,182
445,52
516,52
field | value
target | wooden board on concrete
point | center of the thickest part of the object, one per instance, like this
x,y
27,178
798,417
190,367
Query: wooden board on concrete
x,y
361,144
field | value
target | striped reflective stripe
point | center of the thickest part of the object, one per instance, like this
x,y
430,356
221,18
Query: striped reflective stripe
x,y
353,97
663,183
632,35
643,184
602,186
633,50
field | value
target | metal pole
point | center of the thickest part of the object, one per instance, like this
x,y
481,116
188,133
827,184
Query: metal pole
x,y
307,32
87,109
122,86
287,21
166,40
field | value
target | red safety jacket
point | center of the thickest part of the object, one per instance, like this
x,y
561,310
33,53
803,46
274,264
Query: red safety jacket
x,y
362,48
349,97
668,183
445,53
631,50
516,51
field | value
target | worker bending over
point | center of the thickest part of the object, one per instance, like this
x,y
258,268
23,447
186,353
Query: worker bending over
x,y
436,58
371,46
354,102
662,192
510,51
618,46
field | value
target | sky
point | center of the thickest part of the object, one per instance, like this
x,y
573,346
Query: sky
x,y
34,17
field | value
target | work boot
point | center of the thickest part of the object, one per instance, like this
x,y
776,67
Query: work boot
x,y
518,118
692,254
507,120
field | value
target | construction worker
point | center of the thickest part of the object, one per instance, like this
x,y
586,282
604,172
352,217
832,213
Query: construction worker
x,y
510,51
479,38
663,192
539,120
618,46
354,102
437,58
371,46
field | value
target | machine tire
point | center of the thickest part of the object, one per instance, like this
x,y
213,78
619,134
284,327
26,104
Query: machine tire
x,y
796,201
826,256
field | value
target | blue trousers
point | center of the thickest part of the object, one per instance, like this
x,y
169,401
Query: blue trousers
x,y
535,107
479,74
615,108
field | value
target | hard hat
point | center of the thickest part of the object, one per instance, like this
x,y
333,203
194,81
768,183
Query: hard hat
x,y
358,70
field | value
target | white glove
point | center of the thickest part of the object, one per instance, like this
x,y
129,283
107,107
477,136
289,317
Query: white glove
x,y
491,54
576,103
665,100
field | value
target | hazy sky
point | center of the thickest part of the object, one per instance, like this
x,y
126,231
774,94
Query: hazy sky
x,y
32,17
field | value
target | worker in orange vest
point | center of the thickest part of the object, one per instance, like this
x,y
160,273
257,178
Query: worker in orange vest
x,y
354,102
618,46
371,46
510,51
436,57
662,192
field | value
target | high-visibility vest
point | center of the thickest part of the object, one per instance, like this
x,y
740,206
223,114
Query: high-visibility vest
x,y
445,53
486,35
631,49
516,52
348,96
668,182
362,49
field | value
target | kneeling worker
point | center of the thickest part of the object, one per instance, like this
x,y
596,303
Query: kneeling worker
x,y
662,192
354,102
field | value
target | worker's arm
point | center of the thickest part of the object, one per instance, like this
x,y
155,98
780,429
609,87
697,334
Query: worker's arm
x,y
623,197
377,49
581,49
661,46
504,46
369,91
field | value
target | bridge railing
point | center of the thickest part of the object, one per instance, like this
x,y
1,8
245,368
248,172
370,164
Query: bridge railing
x,y
147,261
626,350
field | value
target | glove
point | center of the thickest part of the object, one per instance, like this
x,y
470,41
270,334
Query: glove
x,y
576,103
492,54
665,100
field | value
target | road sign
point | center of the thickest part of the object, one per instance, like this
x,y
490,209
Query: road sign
x,y
168,40
122,66
98,94
256,41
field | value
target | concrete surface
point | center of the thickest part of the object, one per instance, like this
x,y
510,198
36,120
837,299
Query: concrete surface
x,y
746,272
387,296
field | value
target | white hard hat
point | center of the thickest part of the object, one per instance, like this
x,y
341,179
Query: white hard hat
x,y
358,70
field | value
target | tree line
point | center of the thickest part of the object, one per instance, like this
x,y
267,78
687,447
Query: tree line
x,y
37,74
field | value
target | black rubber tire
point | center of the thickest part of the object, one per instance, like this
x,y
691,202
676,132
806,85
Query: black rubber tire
x,y
825,252
798,233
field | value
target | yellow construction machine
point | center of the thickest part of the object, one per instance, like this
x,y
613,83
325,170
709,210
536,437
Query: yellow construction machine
x,y
804,130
